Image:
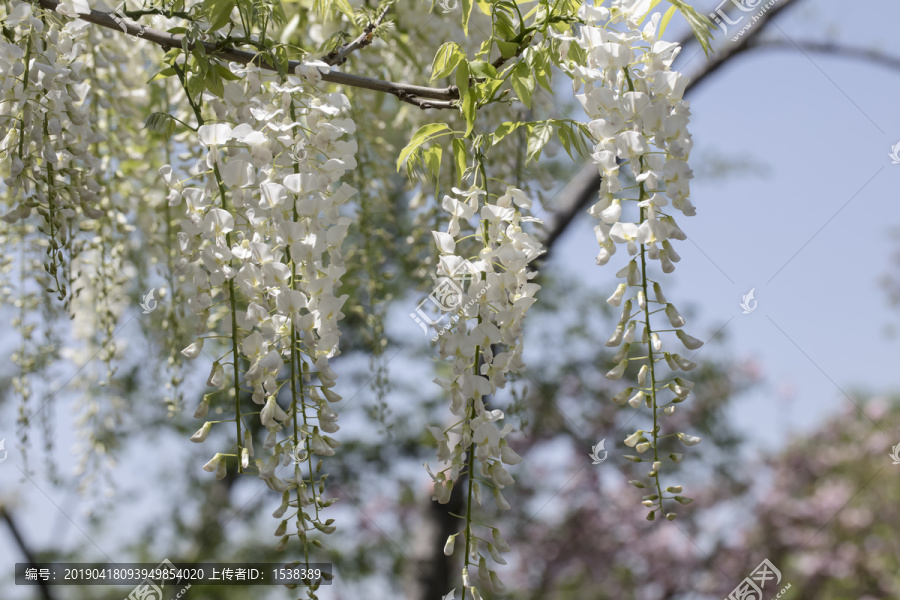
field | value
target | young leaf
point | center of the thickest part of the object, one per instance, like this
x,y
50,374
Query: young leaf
x,y
466,14
432,159
162,123
482,69
664,22
507,49
700,25
538,136
446,59
459,158
468,110
505,129
424,134
523,83
462,77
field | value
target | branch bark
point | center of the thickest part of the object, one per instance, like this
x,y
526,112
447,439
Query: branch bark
x,y
26,551
416,95
339,57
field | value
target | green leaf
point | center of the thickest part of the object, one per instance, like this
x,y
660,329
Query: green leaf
x,y
523,83
226,73
564,134
664,22
167,72
507,49
432,159
446,59
542,69
462,77
538,136
214,83
482,69
700,24
505,129
468,110
161,123
424,134
459,158
218,12
466,14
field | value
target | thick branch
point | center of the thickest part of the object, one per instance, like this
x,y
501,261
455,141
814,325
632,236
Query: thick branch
x,y
413,94
583,188
26,551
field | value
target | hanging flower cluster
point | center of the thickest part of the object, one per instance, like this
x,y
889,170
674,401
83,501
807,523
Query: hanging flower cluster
x,y
46,131
261,247
490,295
639,121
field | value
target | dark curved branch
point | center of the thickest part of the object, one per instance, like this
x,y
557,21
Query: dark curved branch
x,y
830,48
26,551
416,95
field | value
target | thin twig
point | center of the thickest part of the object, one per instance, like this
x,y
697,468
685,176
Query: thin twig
x,y
339,57
416,95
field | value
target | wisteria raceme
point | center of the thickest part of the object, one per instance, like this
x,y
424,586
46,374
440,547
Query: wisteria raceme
x,y
261,244
639,121
490,295
46,132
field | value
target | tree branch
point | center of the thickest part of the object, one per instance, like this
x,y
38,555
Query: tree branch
x,y
339,57
26,552
416,95
830,48
583,188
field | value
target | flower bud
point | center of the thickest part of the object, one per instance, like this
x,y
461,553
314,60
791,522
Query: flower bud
x,y
200,435
689,440
674,316
636,400
282,528
633,439
499,542
213,464
509,456
642,374
657,291
216,376
192,351
616,338
622,396
616,298
448,547
202,408
617,371
642,447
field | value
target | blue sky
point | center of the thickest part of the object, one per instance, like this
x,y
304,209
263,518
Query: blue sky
x,y
807,224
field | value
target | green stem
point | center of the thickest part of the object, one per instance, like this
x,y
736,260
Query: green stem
x,y
231,297
652,362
